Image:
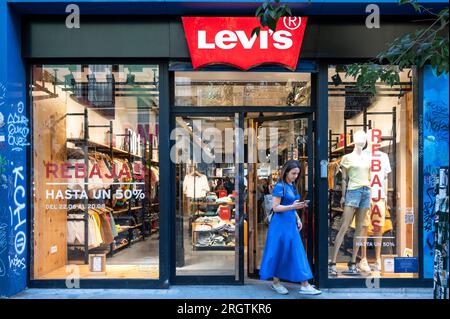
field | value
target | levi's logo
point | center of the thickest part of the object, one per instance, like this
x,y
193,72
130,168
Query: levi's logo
x,y
228,40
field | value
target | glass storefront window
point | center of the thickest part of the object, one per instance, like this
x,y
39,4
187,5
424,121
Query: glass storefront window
x,y
373,215
207,196
242,89
95,171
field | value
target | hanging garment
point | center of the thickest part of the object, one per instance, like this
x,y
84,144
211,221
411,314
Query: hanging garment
x,y
113,225
195,186
73,182
75,231
97,227
108,237
106,173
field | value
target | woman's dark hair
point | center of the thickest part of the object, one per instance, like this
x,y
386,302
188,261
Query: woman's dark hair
x,y
287,167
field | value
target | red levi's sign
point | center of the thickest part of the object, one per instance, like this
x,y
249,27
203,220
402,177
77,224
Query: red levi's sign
x,y
228,40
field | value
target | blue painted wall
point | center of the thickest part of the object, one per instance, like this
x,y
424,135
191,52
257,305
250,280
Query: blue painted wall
x,y
14,137
435,154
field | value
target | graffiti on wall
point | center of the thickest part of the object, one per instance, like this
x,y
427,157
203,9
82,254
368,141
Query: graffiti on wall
x,y
18,129
435,146
14,138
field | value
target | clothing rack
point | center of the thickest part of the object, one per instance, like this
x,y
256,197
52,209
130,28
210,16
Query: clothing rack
x,y
87,144
340,151
129,210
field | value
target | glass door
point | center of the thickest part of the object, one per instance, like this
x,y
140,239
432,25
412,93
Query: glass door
x,y
207,175
278,138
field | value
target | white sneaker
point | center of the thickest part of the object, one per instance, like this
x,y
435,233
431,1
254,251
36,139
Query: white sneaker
x,y
364,265
280,289
309,290
378,265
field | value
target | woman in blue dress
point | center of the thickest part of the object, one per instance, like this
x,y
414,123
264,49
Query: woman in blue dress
x,y
284,256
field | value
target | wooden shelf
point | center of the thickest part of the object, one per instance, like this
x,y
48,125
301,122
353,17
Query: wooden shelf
x,y
125,210
121,246
214,248
102,147
340,150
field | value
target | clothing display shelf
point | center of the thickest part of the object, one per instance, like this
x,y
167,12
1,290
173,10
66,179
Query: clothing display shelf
x,y
335,152
88,145
211,232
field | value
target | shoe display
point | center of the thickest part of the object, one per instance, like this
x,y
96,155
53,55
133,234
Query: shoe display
x,y
378,265
280,289
332,271
309,290
352,269
364,265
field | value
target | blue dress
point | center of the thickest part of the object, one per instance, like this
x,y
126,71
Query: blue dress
x,y
284,256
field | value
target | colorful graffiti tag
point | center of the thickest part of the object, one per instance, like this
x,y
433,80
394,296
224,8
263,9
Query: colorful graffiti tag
x,y
434,154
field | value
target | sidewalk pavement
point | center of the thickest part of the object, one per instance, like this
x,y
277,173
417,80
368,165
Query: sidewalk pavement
x,y
253,289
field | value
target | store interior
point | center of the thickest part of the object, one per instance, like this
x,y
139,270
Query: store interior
x,y
96,171
391,112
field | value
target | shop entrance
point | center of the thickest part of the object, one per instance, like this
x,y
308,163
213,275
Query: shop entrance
x,y
223,194
293,134
231,134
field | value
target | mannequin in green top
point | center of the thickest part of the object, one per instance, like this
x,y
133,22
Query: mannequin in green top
x,y
356,197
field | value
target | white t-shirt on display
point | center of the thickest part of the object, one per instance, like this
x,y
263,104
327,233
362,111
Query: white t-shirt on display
x,y
195,186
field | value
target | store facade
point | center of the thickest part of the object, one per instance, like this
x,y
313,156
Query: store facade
x,y
130,163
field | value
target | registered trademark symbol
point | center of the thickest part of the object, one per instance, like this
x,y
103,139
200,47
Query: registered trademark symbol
x,y
292,23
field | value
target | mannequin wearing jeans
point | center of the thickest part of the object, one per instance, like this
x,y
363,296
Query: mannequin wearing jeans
x,y
356,197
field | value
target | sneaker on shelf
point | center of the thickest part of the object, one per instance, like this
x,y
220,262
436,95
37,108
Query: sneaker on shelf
x,y
279,288
378,265
332,271
364,265
309,290
352,270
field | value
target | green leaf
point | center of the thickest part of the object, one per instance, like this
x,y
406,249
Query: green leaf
x,y
256,31
272,24
258,11
264,19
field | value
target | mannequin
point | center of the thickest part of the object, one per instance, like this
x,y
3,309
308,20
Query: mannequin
x,y
380,168
355,198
